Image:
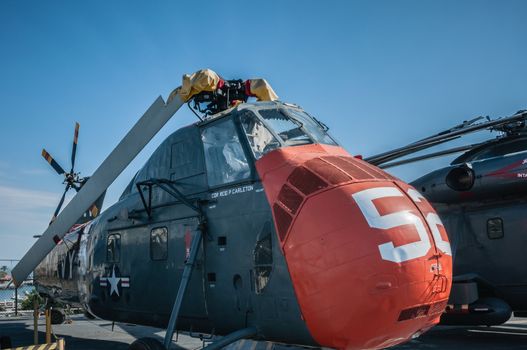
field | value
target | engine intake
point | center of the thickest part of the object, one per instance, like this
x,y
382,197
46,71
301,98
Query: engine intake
x,y
461,178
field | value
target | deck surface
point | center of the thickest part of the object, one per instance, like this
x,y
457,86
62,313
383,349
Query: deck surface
x,y
85,334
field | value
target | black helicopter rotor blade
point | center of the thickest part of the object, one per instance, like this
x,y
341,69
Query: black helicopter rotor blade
x,y
442,137
431,155
74,149
59,206
52,162
409,150
460,126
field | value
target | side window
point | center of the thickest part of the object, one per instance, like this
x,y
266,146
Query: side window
x,y
263,261
260,138
159,243
186,158
113,248
225,159
495,228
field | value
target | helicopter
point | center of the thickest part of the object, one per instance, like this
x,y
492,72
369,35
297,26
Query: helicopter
x,y
481,198
252,222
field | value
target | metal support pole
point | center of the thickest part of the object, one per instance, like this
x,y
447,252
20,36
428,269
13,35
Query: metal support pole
x,y
48,326
187,272
35,321
16,301
231,338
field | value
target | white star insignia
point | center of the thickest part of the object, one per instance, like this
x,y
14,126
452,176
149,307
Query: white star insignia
x,y
114,281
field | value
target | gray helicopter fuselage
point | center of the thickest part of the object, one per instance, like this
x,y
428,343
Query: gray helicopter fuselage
x,y
126,265
271,217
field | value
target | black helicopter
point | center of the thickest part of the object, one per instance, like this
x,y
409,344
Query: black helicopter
x,y
481,198
250,223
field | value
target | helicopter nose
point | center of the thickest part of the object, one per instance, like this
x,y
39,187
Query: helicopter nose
x,y
368,257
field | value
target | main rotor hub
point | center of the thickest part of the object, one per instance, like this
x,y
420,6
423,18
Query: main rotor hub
x,y
213,94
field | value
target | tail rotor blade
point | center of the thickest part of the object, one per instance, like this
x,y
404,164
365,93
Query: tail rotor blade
x,y
52,162
74,149
60,204
141,133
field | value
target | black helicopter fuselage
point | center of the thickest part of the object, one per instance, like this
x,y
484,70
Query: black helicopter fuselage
x,y
482,201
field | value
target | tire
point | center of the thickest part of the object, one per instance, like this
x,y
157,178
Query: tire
x,y
146,344
57,316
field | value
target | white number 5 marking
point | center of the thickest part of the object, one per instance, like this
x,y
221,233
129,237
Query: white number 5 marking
x,y
389,252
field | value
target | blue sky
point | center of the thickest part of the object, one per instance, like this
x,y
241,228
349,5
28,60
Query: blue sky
x,y
379,73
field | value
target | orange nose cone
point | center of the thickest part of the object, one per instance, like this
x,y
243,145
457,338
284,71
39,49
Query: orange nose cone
x,y
368,256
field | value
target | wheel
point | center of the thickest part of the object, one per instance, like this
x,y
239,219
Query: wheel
x,y
57,316
146,344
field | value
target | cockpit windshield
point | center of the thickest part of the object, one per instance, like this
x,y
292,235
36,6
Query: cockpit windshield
x,y
313,127
260,138
290,130
278,127
295,127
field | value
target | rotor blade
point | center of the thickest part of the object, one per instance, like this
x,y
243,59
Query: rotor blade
x,y
430,155
60,205
432,141
141,133
465,124
409,150
74,149
52,162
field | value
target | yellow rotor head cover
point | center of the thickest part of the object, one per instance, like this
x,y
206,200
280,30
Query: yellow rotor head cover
x,y
208,80
261,89
202,80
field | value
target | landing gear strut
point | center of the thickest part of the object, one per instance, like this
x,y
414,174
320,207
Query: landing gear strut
x,y
189,266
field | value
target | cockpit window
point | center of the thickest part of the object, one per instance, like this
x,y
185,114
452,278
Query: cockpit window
x,y
224,156
311,126
260,138
289,130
